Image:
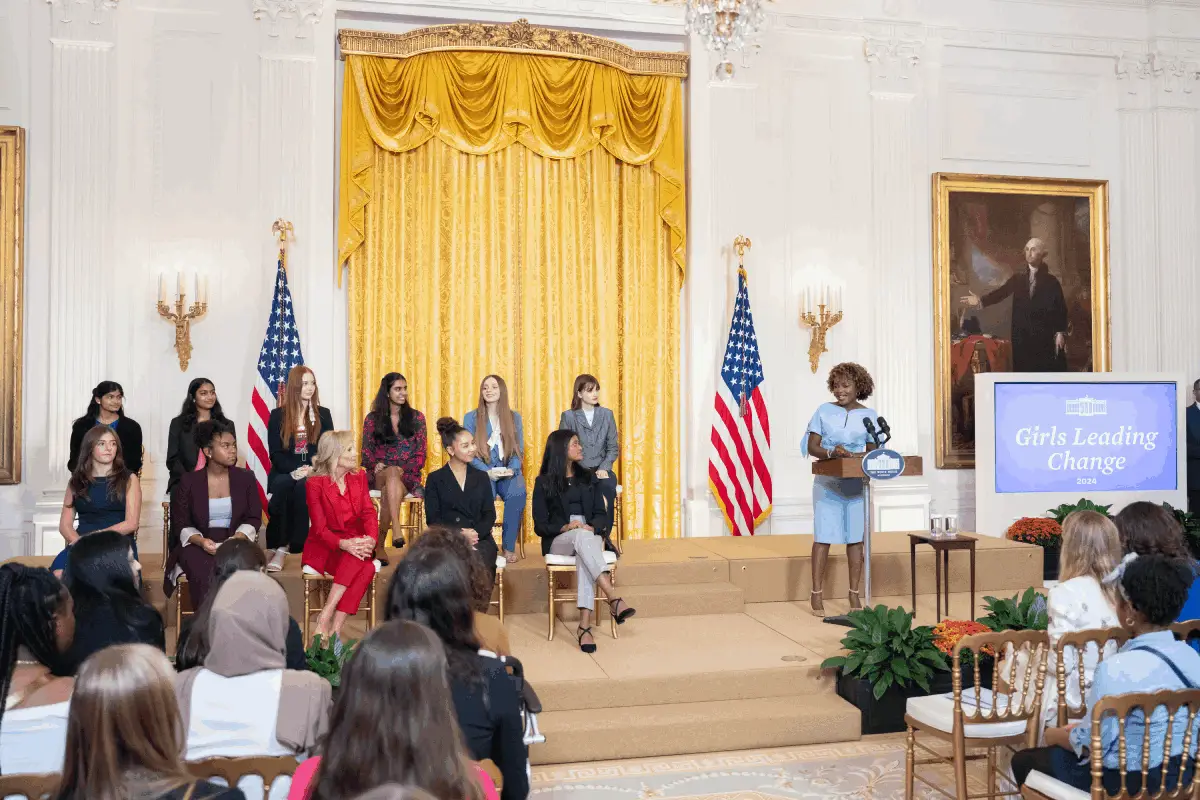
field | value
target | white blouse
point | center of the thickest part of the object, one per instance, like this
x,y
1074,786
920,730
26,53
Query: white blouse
x,y
1075,605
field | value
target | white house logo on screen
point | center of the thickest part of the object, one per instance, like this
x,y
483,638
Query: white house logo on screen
x,y
1086,407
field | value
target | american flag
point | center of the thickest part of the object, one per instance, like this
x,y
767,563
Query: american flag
x,y
739,470
280,352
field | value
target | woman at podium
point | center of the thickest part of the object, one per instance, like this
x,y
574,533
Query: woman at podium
x,y
837,430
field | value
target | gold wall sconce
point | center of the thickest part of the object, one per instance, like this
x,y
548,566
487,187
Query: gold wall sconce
x,y
820,310
183,316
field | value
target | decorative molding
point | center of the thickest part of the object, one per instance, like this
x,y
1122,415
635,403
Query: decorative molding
x,y
306,12
893,63
98,8
1176,73
520,37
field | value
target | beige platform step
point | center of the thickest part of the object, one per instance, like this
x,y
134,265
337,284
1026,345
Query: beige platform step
x,y
662,730
672,600
578,695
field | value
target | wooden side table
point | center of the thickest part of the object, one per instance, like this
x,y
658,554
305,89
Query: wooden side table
x,y
941,563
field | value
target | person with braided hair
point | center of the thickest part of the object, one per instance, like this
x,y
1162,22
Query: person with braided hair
x,y
37,626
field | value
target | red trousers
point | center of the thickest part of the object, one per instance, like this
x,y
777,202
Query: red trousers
x,y
347,571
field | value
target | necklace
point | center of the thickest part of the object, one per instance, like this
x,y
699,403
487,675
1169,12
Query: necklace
x,y
23,663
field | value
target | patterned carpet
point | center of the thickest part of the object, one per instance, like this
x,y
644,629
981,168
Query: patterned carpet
x,y
872,769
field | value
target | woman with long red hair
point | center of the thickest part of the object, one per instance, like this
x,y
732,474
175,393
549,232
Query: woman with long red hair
x,y
292,435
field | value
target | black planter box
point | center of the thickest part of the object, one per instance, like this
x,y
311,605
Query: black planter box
x,y
886,715
1050,556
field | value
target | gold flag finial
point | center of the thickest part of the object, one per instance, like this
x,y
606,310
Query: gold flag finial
x,y
741,244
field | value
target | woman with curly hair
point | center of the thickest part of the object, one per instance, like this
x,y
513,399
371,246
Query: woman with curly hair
x,y
837,431
1149,529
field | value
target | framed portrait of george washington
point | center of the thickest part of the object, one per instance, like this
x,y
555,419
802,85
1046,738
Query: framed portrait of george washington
x,y
12,196
1020,284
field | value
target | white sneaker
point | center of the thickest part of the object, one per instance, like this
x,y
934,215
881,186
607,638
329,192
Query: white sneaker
x,y
276,562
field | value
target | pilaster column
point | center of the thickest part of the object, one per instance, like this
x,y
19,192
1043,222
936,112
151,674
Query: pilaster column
x,y
81,190
1134,273
898,273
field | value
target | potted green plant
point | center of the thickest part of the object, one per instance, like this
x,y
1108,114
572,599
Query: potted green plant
x,y
327,656
1191,527
1060,513
886,662
1025,612
1046,533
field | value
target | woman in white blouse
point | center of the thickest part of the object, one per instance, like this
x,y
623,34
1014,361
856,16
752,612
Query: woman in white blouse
x,y
243,702
1091,548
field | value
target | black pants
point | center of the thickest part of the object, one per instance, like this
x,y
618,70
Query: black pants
x,y
487,551
1194,501
1063,765
289,512
608,490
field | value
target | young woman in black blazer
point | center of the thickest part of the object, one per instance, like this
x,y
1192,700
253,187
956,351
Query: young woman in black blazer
x,y
200,405
570,516
108,408
293,431
459,496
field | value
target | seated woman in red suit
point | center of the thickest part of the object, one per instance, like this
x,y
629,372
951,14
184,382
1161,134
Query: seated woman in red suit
x,y
343,529
209,506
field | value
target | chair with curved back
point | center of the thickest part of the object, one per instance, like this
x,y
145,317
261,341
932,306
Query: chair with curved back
x,y
1117,709
32,787
1104,642
232,770
184,607
977,718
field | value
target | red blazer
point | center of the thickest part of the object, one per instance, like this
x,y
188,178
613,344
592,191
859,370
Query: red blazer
x,y
333,517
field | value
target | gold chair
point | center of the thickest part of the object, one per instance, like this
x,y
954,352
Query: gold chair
x,y
1039,786
1082,642
231,770
183,594
501,563
498,528
411,522
316,592
32,787
618,531
565,565
980,718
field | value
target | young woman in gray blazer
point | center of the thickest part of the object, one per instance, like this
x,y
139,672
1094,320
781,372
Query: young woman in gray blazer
x,y
596,428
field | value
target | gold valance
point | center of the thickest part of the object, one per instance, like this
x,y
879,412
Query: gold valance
x,y
480,102
517,37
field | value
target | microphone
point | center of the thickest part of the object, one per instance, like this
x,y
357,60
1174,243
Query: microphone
x,y
870,426
886,430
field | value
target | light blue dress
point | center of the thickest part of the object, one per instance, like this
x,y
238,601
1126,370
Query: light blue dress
x,y
838,503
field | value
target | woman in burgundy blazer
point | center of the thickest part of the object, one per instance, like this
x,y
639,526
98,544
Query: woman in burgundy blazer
x,y
343,529
202,518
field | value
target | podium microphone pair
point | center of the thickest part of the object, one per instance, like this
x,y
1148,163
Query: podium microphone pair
x,y
879,437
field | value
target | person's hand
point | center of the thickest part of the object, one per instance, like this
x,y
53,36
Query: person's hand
x,y
472,535
301,473
570,526
588,528
1060,342
378,467
971,300
209,546
602,474
364,548
841,452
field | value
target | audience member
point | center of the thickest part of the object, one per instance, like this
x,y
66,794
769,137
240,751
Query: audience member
x,y
394,791
123,735
234,555
37,626
208,507
488,629
104,579
108,408
500,443
596,428
243,701
430,587
184,454
459,497
569,516
102,492
393,451
395,687
293,432
1148,528
1151,591
345,529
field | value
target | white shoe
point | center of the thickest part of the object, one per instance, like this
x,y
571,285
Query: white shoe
x,y
276,562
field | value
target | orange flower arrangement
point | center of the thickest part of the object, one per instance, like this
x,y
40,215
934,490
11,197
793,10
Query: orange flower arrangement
x,y
948,632
1041,531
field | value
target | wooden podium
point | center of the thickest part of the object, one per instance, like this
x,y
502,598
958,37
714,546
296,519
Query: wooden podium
x,y
853,468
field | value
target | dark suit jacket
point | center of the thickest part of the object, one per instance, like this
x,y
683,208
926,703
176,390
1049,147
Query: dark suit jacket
x,y
182,452
283,457
1193,447
129,434
1035,320
448,505
189,503
550,514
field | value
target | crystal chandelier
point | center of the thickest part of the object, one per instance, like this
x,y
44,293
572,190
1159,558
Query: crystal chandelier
x,y
725,25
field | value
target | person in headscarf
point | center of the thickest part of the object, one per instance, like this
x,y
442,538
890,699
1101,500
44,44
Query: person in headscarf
x,y
243,701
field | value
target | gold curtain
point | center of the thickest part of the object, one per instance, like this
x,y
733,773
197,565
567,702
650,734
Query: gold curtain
x,y
537,262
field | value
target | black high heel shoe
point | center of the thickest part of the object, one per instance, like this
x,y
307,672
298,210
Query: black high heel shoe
x,y
579,634
625,613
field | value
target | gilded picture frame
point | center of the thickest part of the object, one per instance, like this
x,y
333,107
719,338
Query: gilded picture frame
x,y
1035,245
12,197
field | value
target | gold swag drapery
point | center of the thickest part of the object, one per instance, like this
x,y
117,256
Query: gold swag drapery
x,y
468,256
